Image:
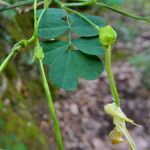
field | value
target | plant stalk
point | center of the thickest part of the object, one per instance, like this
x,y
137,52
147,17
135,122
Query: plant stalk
x,y
15,50
51,108
39,51
112,83
8,58
76,12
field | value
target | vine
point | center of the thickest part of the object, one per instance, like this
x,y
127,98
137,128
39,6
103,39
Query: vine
x,y
73,58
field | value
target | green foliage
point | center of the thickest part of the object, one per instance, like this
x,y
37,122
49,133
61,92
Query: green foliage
x,y
52,50
51,27
90,46
113,2
51,24
72,59
82,28
67,65
60,13
67,60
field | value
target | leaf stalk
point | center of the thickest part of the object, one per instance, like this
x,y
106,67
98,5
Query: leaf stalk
x,y
112,83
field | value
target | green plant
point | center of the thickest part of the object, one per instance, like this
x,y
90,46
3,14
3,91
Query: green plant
x,y
74,58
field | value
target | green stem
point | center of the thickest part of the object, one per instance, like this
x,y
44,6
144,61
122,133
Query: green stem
x,y
69,32
15,50
84,17
35,22
46,3
8,58
110,76
82,3
76,12
23,43
27,2
147,19
51,108
39,56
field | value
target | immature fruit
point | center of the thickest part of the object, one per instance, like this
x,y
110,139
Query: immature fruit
x,y
107,35
119,120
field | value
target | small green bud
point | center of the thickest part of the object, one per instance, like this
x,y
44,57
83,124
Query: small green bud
x,y
107,35
39,53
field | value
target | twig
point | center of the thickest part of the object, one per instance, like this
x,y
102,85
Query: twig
x,y
6,4
18,4
147,19
15,50
51,108
28,9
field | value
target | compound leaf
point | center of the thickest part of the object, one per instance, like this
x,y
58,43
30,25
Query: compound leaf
x,y
63,71
51,27
83,28
89,46
89,67
66,66
60,13
53,50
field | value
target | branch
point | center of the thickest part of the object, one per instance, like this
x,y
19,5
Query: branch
x,y
15,50
5,4
62,5
18,4
51,108
147,19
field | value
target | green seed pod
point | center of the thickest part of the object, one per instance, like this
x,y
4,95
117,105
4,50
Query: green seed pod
x,y
107,35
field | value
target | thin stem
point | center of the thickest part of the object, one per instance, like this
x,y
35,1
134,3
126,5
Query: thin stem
x,y
51,108
69,32
23,43
40,17
84,17
78,13
8,58
35,22
15,50
147,19
18,4
45,83
82,3
113,87
46,3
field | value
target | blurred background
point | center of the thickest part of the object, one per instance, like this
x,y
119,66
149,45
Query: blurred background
x,y
24,115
